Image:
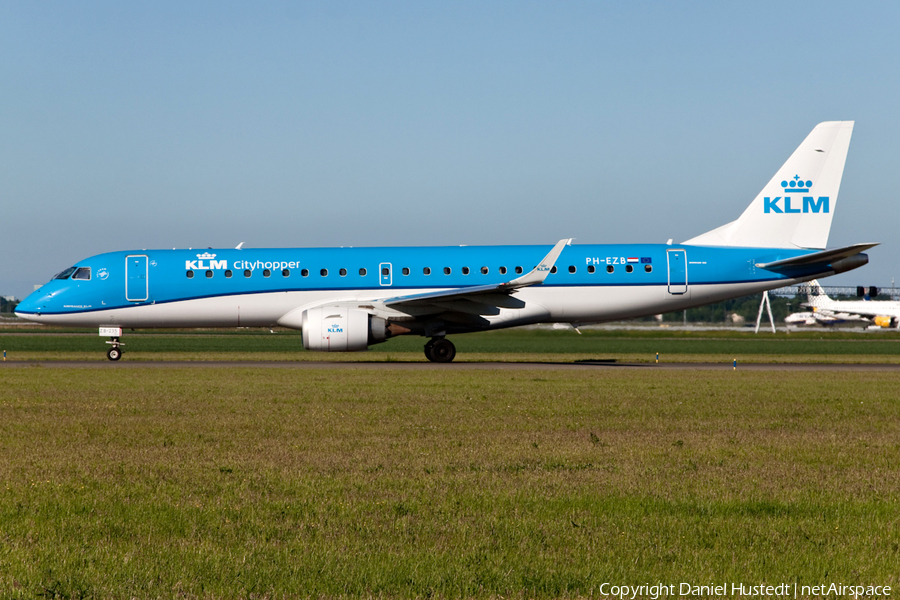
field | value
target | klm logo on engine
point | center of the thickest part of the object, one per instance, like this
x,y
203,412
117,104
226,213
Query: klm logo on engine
x,y
782,204
335,328
200,265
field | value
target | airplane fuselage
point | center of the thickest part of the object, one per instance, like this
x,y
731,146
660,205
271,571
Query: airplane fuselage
x,y
258,287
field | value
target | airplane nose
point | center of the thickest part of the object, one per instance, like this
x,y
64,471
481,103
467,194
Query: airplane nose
x,y
30,306
24,307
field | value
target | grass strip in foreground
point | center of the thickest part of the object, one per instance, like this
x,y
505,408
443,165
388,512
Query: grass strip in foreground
x,y
229,482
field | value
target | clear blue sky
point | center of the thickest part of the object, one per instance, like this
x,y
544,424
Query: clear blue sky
x,y
128,125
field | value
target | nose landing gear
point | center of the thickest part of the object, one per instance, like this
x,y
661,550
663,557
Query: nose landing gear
x,y
440,350
114,353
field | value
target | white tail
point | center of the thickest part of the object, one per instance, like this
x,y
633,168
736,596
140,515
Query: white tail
x,y
795,208
816,296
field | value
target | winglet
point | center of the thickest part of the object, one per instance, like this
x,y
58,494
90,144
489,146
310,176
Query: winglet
x,y
540,272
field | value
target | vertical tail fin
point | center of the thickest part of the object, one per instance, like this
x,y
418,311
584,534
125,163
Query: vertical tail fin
x,y
795,208
816,296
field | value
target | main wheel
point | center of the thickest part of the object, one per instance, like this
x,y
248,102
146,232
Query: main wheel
x,y
114,354
428,348
442,351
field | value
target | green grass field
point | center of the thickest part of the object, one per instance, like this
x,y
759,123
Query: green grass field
x,y
238,482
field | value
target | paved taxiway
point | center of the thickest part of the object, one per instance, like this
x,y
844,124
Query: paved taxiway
x,y
456,366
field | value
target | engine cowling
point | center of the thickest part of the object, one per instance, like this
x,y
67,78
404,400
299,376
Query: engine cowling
x,y
883,321
341,329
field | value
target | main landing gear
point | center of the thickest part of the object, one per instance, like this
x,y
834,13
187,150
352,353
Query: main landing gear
x,y
440,350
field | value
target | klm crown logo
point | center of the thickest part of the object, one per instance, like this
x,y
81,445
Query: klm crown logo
x,y
206,256
796,185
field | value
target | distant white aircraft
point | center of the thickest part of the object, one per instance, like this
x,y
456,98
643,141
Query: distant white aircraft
x,y
883,313
820,318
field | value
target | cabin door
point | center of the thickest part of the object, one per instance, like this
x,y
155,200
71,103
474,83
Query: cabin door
x,y
136,284
677,271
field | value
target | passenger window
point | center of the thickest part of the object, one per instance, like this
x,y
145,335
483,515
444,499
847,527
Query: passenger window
x,y
190,275
446,270
572,268
228,273
362,272
518,270
406,270
209,274
304,273
324,272
502,270
484,270
629,268
385,271
426,271
247,272
343,272
591,268
553,269
285,272
465,270
648,268
610,268
83,273
266,272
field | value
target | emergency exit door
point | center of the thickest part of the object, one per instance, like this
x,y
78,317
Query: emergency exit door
x,y
384,270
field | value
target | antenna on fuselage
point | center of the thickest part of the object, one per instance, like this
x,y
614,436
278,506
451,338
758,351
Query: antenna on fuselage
x,y
238,247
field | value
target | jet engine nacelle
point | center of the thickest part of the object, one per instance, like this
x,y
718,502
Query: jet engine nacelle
x,y
883,321
341,329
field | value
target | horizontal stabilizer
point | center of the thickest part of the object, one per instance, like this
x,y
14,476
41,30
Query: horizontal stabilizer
x,y
816,258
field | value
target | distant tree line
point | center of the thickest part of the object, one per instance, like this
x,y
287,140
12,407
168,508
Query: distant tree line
x,y
7,306
747,307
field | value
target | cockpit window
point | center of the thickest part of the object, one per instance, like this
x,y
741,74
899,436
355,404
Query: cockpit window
x,y
65,274
82,273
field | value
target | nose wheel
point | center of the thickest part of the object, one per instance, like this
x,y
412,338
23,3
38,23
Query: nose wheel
x,y
440,350
115,352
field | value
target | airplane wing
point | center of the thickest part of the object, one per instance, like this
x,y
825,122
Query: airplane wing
x,y
473,298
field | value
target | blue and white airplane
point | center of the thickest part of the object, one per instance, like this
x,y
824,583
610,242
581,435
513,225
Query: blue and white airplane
x,y
347,299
